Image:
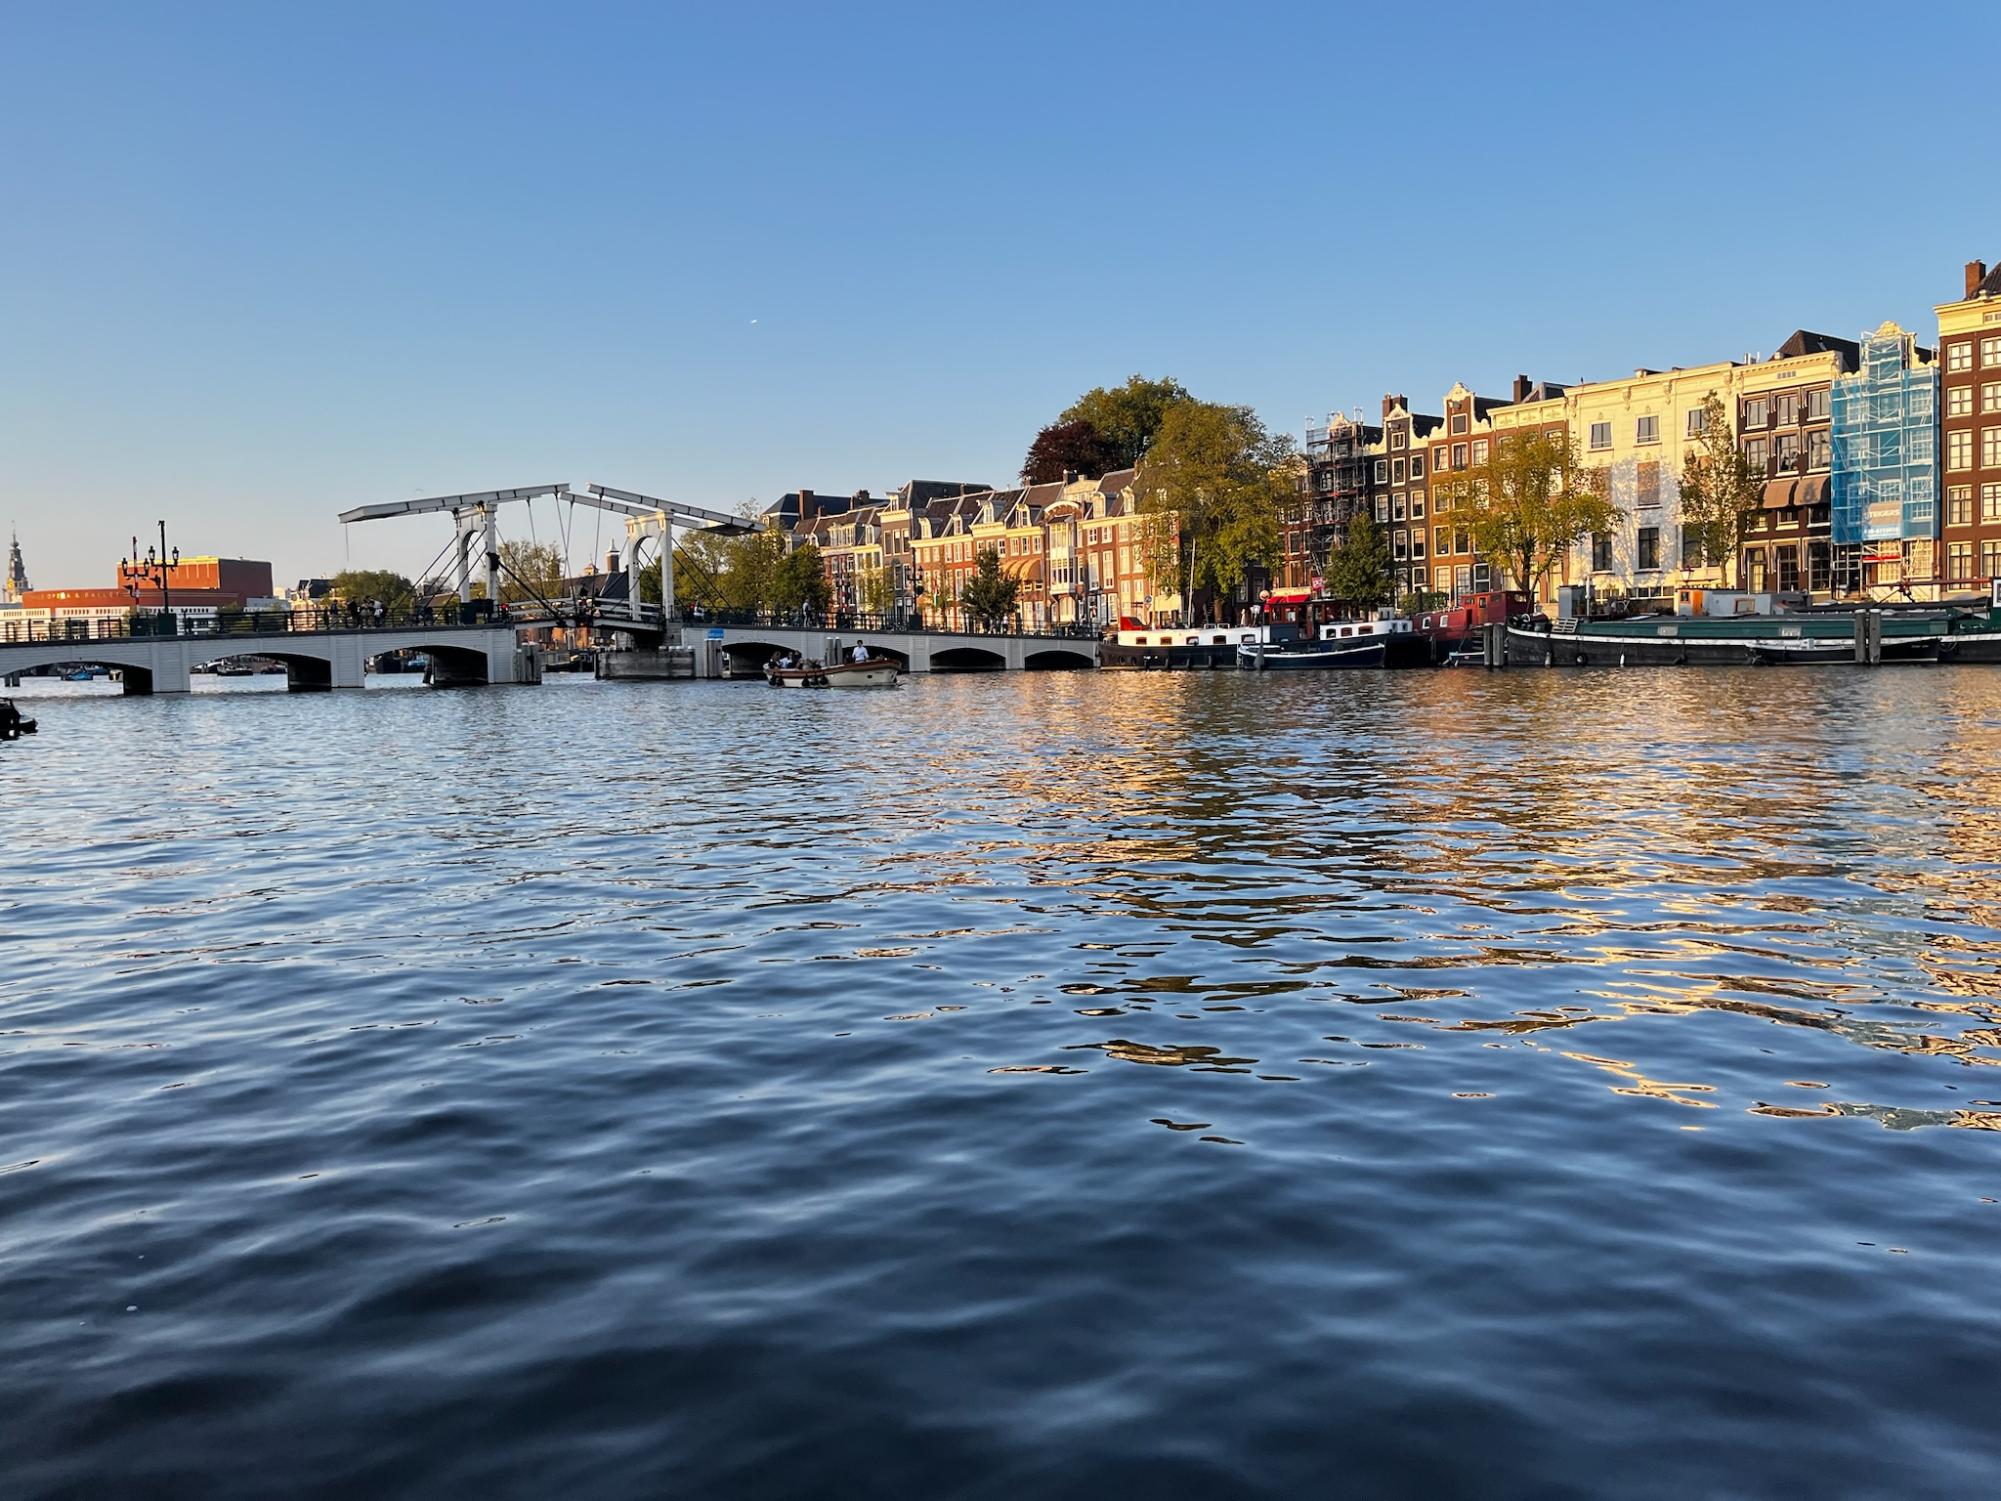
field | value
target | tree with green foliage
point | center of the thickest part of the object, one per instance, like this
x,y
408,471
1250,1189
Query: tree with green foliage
x,y
1721,493
1212,487
801,580
356,585
1358,570
1068,447
1125,419
876,591
530,571
1529,504
990,594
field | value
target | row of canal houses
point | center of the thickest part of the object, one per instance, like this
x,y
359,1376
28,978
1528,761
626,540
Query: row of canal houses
x,y
1880,459
1073,547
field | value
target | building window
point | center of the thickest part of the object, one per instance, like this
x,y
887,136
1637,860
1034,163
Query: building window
x,y
1601,435
1819,449
1397,472
1816,405
1819,567
1691,551
1959,401
1417,546
1481,576
1990,396
1990,352
1647,430
1959,450
1383,509
1990,448
1757,412
1697,421
1461,540
1458,423
1648,547
1397,436
1479,450
1990,502
1417,505
1382,471
1757,453
1959,562
1441,541
1787,409
1458,455
1399,548
1441,580
1990,559
1601,552
1417,466
1786,449
1396,508
1786,567
1959,356
1959,505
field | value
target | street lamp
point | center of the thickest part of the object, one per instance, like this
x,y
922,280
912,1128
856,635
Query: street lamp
x,y
155,568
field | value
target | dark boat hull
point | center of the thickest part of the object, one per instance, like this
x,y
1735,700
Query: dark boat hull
x,y
1321,658
1560,649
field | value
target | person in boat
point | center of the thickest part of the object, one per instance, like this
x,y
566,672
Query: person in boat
x,y
859,654
10,719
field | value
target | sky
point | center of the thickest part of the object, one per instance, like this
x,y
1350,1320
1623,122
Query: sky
x,y
262,263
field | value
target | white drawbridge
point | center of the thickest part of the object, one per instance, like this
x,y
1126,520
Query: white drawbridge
x,y
649,522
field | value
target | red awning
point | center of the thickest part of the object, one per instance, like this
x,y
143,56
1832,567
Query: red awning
x,y
1289,596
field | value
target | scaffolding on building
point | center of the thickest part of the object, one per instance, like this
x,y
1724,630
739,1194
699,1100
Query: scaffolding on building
x,y
1883,484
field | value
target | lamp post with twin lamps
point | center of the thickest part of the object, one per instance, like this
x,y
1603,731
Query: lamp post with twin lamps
x,y
154,568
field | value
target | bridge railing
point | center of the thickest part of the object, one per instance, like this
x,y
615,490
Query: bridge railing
x,y
322,620
871,623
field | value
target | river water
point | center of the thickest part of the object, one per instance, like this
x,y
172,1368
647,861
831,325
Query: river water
x,y
1528,1084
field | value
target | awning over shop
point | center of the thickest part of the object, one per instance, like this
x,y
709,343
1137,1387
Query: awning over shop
x,y
1812,491
1289,596
1779,494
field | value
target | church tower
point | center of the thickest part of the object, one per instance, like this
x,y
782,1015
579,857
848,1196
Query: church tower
x,y
16,583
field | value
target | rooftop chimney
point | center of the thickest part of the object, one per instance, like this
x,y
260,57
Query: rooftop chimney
x,y
1391,403
808,507
611,560
1976,273
1523,385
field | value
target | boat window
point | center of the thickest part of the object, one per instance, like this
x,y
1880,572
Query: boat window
x,y
1219,640
1346,631
1427,622
1194,640
1365,630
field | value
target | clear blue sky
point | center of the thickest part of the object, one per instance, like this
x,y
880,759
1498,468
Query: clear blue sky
x,y
262,262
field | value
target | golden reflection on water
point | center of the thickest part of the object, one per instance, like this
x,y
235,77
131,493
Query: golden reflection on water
x,y
1816,851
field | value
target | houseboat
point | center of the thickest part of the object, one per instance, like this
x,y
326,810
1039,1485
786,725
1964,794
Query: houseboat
x,y
1458,630
1190,646
1724,628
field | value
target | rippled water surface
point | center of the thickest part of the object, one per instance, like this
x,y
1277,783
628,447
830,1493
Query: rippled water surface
x,y
1529,1084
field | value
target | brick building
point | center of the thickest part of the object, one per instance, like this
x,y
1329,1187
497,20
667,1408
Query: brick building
x,y
1969,365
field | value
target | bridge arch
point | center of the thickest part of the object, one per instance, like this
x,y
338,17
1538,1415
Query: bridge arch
x,y
1057,658
967,659
135,667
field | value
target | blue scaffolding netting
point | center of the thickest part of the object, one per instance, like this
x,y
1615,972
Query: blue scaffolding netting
x,y
1884,481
